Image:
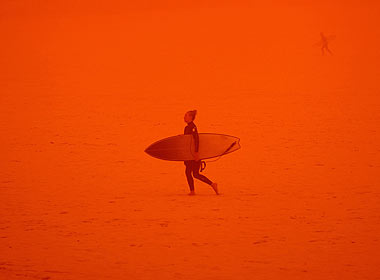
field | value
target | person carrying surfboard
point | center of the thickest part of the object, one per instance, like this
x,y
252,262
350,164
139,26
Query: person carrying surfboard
x,y
193,166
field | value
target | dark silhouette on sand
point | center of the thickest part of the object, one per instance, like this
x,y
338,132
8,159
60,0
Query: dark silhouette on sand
x,y
324,43
193,166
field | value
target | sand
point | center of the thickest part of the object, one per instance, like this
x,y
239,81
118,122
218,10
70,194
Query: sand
x,y
85,88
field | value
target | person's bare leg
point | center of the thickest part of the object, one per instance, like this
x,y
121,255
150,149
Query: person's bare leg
x,y
203,178
215,187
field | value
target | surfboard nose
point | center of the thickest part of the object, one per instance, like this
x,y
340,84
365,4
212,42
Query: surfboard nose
x,y
147,149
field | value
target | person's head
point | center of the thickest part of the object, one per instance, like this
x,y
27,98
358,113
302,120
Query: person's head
x,y
190,116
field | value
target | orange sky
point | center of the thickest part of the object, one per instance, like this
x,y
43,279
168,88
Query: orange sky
x,y
86,86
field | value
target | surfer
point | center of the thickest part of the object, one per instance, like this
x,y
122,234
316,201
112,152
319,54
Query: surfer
x,y
324,44
193,166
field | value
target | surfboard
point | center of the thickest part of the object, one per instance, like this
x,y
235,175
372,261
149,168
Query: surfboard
x,y
181,147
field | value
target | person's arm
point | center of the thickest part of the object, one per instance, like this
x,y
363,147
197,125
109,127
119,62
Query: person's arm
x,y
196,139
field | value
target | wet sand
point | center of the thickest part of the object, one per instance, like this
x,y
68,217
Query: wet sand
x,y
84,92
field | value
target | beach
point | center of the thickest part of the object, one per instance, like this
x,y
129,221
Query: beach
x,y
84,89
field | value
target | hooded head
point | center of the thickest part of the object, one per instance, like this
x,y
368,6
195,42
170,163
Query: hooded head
x,y
190,116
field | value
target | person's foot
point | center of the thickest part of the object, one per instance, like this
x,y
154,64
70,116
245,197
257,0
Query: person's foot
x,y
215,187
191,193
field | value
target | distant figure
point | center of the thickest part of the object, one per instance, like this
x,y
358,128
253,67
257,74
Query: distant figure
x,y
325,44
193,166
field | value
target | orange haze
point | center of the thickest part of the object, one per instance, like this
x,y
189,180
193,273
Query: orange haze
x,y
86,86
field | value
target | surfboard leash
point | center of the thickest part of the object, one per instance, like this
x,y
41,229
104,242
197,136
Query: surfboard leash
x,y
203,162
219,157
